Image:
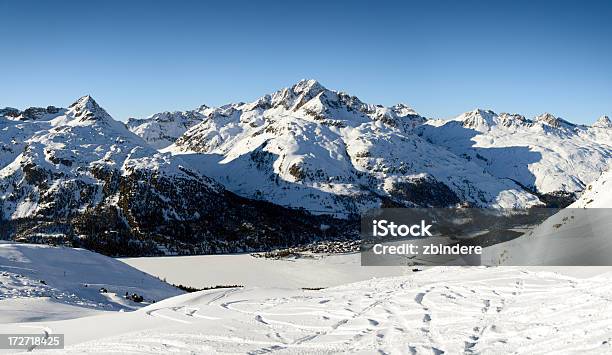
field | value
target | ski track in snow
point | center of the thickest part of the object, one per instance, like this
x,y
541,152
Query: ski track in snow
x,y
439,311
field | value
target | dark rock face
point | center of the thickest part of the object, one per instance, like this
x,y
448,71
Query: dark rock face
x,y
156,215
32,113
426,192
555,199
558,199
9,112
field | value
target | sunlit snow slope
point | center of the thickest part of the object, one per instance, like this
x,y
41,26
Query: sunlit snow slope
x,y
547,154
326,151
597,194
40,282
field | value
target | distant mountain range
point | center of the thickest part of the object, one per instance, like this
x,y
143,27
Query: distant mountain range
x,y
326,151
288,168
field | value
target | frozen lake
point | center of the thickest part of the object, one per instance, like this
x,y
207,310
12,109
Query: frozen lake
x,y
246,270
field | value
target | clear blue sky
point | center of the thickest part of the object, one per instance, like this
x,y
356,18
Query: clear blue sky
x,y
440,57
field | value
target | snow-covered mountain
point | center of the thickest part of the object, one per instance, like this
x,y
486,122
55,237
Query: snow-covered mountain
x,y
603,122
77,172
56,170
162,129
326,151
547,155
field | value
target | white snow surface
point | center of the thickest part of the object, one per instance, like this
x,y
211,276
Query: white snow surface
x,y
455,310
440,310
41,282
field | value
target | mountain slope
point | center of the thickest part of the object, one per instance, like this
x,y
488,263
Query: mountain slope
x,y
310,147
597,194
578,235
82,178
547,155
57,282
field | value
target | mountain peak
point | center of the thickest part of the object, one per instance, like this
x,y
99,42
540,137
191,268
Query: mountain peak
x,y
553,121
87,109
513,116
603,122
478,119
296,96
307,85
403,109
548,118
85,102
203,108
482,112
307,89
9,112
